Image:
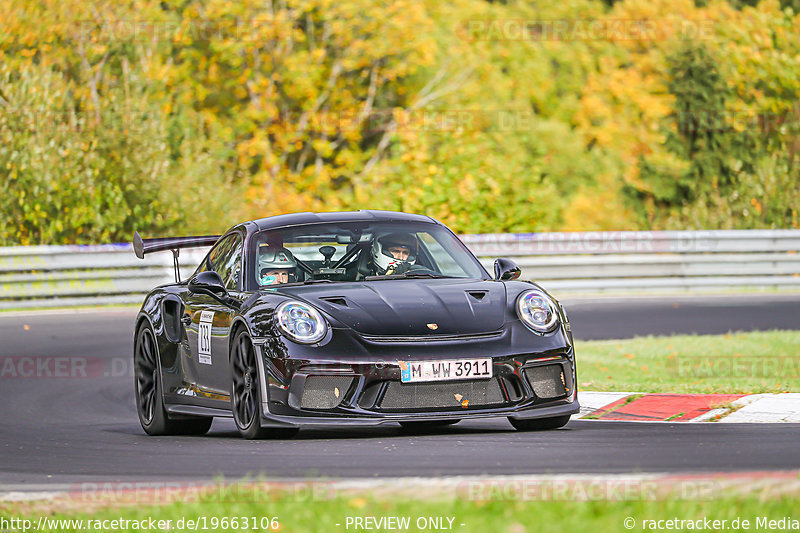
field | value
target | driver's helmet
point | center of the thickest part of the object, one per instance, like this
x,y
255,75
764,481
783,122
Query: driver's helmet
x,y
383,258
273,258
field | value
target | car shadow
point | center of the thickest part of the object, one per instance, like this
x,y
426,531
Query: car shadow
x,y
224,429
389,431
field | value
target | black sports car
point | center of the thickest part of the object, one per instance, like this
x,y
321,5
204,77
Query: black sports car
x,y
365,317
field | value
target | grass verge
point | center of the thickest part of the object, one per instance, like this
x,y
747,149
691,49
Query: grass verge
x,y
746,363
509,513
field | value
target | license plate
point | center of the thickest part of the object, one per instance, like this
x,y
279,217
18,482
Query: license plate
x,y
446,370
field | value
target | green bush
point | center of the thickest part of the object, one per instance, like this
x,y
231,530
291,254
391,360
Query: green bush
x,y
184,117
80,175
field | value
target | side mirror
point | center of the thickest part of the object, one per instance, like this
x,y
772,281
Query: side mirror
x,y
207,282
506,269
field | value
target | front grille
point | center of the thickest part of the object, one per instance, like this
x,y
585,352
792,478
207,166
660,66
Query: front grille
x,y
451,394
324,392
432,338
547,381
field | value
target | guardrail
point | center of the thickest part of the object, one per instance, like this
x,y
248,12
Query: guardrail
x,y
48,276
650,260
43,276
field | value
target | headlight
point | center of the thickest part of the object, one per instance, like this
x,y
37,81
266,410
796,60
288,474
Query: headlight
x,y
537,310
301,322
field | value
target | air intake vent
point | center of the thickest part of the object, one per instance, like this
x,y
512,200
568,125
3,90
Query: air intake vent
x,y
478,295
450,395
336,300
324,392
547,381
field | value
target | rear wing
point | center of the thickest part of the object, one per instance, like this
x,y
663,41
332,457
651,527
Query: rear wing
x,y
141,247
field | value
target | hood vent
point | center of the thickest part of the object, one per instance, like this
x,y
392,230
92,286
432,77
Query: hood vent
x,y
335,300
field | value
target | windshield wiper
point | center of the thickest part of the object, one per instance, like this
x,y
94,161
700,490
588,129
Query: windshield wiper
x,y
423,275
277,286
408,275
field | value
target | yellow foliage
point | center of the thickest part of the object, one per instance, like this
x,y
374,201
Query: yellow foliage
x,y
425,105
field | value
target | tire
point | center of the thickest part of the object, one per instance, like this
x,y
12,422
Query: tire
x,y
539,424
149,396
246,392
422,426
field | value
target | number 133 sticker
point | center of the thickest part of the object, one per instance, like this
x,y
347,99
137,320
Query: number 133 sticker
x,y
204,337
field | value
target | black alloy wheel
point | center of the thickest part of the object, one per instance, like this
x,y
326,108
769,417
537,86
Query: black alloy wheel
x,y
246,393
149,401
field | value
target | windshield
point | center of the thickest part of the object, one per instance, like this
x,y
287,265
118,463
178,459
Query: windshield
x,y
358,251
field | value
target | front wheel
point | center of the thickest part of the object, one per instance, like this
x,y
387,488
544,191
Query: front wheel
x,y
246,392
539,424
149,401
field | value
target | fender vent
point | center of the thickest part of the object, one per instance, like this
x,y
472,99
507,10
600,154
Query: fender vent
x,y
173,311
478,295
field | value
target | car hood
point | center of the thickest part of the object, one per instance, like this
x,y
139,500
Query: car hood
x,y
411,307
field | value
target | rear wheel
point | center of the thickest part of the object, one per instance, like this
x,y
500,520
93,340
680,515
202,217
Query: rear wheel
x,y
418,427
149,400
539,424
246,392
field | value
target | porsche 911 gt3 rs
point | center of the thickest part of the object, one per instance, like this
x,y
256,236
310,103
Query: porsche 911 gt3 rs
x,y
352,318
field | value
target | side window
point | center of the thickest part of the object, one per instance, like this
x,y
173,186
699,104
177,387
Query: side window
x,y
226,260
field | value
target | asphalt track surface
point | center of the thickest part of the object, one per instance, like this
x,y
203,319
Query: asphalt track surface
x,y
84,429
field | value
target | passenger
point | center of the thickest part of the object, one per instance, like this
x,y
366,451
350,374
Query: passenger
x,y
276,267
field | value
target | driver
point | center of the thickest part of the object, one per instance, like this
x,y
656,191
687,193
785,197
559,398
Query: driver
x,y
394,253
276,267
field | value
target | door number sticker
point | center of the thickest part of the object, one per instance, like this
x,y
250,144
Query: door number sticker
x,y
204,337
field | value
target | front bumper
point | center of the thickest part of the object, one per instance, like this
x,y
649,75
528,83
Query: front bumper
x,y
273,420
364,387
